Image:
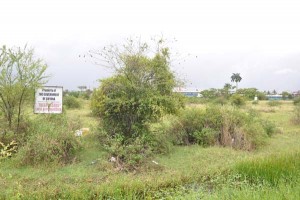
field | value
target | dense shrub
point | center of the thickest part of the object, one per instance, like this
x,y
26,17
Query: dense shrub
x,y
269,127
297,101
51,140
133,153
223,125
71,102
237,100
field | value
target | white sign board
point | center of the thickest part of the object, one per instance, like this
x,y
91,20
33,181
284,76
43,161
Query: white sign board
x,y
48,99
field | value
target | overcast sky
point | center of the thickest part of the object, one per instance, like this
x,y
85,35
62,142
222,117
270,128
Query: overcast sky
x,y
260,39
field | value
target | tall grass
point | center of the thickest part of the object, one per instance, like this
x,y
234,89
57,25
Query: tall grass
x,y
50,140
273,169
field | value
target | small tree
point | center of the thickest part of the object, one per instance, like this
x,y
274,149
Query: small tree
x,y
226,89
235,77
20,74
140,91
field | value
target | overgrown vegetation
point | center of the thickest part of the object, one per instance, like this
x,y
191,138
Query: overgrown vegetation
x,y
151,147
273,170
237,100
187,172
217,125
50,140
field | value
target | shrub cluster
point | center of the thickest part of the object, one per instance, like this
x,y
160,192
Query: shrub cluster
x,y
237,100
222,125
71,102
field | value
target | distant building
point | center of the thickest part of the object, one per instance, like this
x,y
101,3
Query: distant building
x,y
274,97
188,92
296,94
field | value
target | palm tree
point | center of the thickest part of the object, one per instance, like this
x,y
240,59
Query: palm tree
x,y
235,77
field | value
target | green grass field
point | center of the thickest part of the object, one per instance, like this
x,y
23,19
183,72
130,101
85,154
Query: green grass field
x,y
188,172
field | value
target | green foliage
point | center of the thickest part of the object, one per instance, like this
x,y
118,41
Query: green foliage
x,y
206,137
131,154
211,93
286,95
248,93
261,96
51,141
297,101
20,74
269,127
237,100
71,102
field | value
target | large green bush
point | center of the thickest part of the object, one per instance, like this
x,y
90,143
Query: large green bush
x,y
138,94
223,125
